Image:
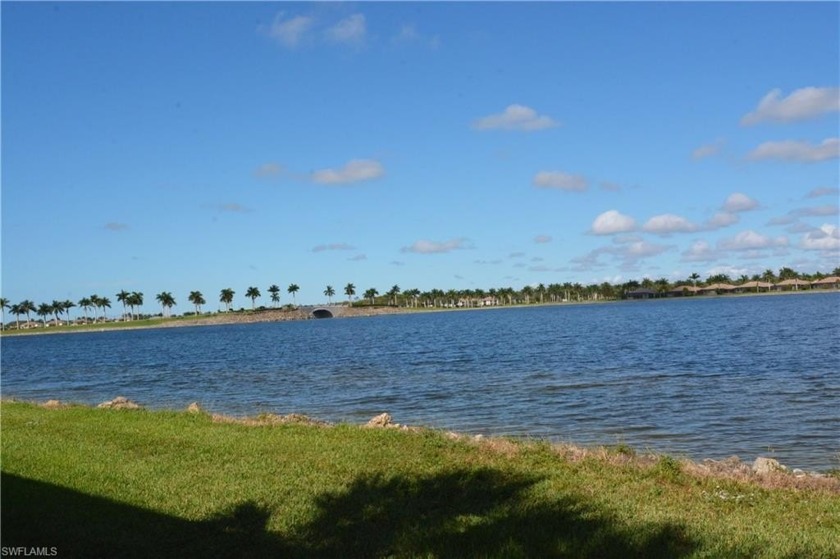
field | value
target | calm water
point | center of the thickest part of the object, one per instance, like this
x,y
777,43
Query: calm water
x,y
707,377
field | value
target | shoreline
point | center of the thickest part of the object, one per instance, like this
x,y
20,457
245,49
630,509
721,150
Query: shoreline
x,y
763,470
294,315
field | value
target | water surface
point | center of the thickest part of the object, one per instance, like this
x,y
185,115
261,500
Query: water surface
x,y
698,377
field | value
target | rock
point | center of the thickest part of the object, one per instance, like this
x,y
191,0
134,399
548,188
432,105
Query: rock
x,y
763,465
195,408
52,404
120,403
381,420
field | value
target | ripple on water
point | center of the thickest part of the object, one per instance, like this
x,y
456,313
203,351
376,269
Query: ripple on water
x,y
697,377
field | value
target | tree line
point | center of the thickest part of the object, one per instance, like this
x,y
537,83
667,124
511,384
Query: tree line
x,y
395,296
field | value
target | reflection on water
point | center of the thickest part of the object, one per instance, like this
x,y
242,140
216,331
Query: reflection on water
x,y
708,377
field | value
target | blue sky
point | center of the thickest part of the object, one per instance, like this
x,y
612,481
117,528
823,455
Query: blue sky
x,y
199,146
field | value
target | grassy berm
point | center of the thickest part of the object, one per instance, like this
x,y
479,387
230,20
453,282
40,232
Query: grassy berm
x,y
120,483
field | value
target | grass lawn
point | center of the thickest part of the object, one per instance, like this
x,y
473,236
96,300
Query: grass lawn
x,y
120,483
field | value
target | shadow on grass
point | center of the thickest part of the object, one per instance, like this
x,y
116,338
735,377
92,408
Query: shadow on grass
x,y
42,515
469,513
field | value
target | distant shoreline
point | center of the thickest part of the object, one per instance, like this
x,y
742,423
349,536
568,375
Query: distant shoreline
x,y
297,314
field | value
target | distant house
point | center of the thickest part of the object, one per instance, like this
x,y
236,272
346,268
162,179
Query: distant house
x,y
718,287
641,293
756,286
794,284
683,290
831,282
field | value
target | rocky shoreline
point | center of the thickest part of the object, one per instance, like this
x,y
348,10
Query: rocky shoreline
x,y
762,471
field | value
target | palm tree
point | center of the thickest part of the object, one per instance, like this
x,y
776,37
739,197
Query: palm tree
x,y
527,291
275,294
167,301
105,303
66,306
26,307
253,293
414,294
122,297
393,293
94,301
371,294
4,304
293,288
329,292
349,290
719,278
16,310
787,273
44,310
135,300
57,307
197,299
226,297
86,304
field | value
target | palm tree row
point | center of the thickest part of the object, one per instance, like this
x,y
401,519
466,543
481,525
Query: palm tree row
x,y
395,296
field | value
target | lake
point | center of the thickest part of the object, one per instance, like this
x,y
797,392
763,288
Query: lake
x,y
701,377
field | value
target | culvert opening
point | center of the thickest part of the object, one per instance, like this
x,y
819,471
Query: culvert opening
x,y
322,313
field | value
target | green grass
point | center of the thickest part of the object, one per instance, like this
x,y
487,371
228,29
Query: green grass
x,y
120,483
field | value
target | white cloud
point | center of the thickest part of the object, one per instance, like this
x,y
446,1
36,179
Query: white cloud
x,y
734,204
825,191
800,227
812,211
792,217
350,30
721,220
515,117
433,247
233,207
408,34
707,150
268,170
738,202
628,254
289,32
802,104
626,239
731,271
333,246
668,223
797,151
699,251
611,222
561,181
642,249
540,239
610,186
354,171
751,240
826,237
